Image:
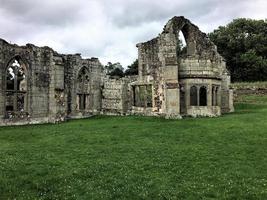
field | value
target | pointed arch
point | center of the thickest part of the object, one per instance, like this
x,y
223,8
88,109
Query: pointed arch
x,y
16,86
83,88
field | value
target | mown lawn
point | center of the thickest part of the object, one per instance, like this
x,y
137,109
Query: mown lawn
x,y
139,157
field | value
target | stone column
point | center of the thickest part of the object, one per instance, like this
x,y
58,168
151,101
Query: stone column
x,y
209,95
52,103
198,97
219,97
172,92
187,95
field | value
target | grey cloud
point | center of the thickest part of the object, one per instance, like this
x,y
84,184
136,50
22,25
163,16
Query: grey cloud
x,y
47,12
110,29
136,13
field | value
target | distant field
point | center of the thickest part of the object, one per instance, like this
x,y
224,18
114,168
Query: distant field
x,y
245,85
139,157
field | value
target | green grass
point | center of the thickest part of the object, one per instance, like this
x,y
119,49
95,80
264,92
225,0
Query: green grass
x,y
252,99
139,157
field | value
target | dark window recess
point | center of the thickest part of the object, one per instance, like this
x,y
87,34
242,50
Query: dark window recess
x,y
203,96
82,101
193,96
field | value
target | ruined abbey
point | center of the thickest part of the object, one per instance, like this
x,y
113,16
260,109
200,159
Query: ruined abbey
x,y
39,85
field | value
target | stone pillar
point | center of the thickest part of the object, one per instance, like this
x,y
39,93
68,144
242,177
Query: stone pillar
x,y
218,96
198,97
56,99
140,61
187,95
51,98
209,95
172,93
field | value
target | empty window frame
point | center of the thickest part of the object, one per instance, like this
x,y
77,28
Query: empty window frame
x,y
16,86
193,96
82,88
198,96
142,96
203,96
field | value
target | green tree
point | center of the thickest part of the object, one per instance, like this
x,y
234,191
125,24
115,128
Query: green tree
x,y
117,73
132,69
114,69
243,44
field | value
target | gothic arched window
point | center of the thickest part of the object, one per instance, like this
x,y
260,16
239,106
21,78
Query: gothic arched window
x,y
82,89
16,86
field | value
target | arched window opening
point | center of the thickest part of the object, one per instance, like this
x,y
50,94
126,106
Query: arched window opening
x,y
181,45
203,96
82,89
193,96
16,87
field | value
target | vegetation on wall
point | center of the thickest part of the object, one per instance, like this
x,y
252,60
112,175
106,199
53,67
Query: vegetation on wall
x,y
243,43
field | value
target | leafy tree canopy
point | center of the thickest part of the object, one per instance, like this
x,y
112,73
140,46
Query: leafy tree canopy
x,y
132,69
243,44
114,69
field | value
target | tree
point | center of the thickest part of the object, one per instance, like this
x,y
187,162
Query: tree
x,y
132,69
243,44
112,66
114,69
117,73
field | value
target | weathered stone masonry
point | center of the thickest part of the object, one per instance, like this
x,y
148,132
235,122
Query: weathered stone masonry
x,y
193,82
57,86
39,85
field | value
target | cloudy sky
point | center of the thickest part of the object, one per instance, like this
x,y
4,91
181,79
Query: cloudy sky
x,y
110,29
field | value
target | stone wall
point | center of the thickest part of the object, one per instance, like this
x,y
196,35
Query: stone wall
x,y
116,95
51,86
168,70
59,86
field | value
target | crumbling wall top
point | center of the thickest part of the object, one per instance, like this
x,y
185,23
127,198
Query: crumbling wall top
x,y
194,38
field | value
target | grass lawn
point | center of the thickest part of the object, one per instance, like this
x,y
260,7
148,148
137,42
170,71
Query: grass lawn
x,y
139,157
244,85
